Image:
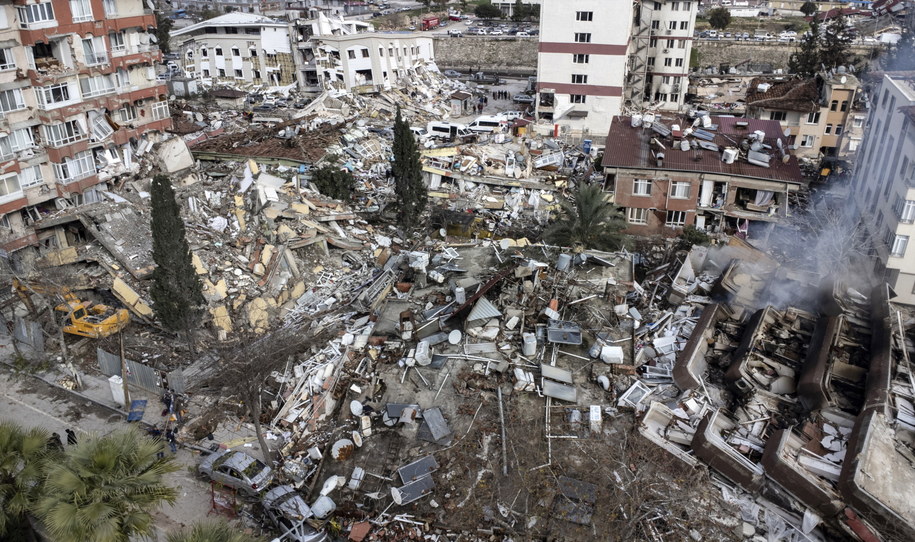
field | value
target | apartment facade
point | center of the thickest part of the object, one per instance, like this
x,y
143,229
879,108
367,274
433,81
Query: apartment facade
x,y
597,58
819,113
226,6
237,49
78,98
883,188
716,187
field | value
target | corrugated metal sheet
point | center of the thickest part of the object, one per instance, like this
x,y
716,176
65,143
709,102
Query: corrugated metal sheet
x,y
628,147
483,310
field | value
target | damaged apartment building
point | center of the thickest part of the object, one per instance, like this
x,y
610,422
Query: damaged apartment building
x,y
348,55
237,49
719,174
79,99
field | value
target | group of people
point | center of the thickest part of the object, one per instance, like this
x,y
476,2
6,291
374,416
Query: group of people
x,y
500,95
56,441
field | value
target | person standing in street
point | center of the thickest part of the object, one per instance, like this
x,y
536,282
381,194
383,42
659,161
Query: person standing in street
x,y
71,437
172,441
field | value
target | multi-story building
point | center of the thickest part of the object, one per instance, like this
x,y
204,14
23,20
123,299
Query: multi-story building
x,y
723,182
226,6
815,111
883,189
597,58
333,53
508,6
236,49
78,95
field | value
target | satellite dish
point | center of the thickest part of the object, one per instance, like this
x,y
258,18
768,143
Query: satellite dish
x,y
787,132
843,79
443,232
778,143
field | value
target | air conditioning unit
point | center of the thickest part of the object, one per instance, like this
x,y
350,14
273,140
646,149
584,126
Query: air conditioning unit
x,y
666,50
668,31
675,89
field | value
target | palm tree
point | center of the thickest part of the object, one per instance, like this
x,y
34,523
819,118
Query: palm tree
x,y
21,454
104,488
211,532
589,222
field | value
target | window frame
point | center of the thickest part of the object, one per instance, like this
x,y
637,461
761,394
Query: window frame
x,y
638,185
676,187
675,223
640,216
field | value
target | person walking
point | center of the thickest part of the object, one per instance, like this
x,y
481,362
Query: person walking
x,y
71,437
172,441
55,442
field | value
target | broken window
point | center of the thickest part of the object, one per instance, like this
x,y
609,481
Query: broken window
x,y
9,186
6,59
101,128
546,99
30,176
96,86
807,141
239,74
53,94
16,141
73,169
127,113
634,215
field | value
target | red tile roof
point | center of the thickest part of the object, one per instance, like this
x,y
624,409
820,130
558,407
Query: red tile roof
x,y
629,147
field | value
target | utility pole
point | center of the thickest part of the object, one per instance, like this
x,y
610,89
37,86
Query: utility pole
x,y
124,371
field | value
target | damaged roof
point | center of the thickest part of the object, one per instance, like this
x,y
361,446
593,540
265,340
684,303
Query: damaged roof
x,y
236,18
792,95
630,147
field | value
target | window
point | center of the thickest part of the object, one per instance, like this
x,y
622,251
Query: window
x,y
838,129
669,44
236,51
653,42
777,115
807,141
853,144
231,30
660,96
17,140
101,129
844,106
257,74
651,61
94,51
204,53
53,94
81,10
675,219
668,62
900,242
221,72
255,31
675,6
127,113
828,129
678,62
681,44
82,165
635,215
684,25
581,59
351,54
63,133
253,53
111,8
641,187
905,210
834,105
117,42
679,189
96,86
584,15
582,37
217,51
9,187
30,176
35,14
655,25
365,52
6,59
813,118
858,122
206,72
579,79
239,74
160,110
657,6
577,98
672,25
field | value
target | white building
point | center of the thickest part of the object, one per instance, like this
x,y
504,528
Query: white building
x,y
333,53
237,49
598,57
884,183
508,6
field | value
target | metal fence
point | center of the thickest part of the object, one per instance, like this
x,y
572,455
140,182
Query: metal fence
x,y
138,374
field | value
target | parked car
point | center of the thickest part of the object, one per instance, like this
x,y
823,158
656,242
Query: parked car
x,y
300,105
451,73
511,115
523,34
237,469
523,99
288,511
455,33
496,32
411,27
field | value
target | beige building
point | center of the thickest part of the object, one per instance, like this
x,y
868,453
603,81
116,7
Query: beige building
x,y
883,189
237,49
78,98
815,112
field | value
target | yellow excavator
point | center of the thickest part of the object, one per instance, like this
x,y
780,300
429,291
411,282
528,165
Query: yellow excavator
x,y
83,318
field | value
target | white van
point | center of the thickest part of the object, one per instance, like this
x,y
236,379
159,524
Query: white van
x,y
487,123
419,133
512,115
446,130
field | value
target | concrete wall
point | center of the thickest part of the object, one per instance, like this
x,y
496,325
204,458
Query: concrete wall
x,y
505,55
713,53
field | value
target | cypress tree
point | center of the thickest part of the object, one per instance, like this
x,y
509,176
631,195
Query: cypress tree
x,y
408,176
805,61
176,291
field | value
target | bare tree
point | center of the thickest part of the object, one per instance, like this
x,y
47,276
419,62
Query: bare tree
x,y
241,369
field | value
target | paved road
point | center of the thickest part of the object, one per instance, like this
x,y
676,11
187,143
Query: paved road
x,y
33,403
